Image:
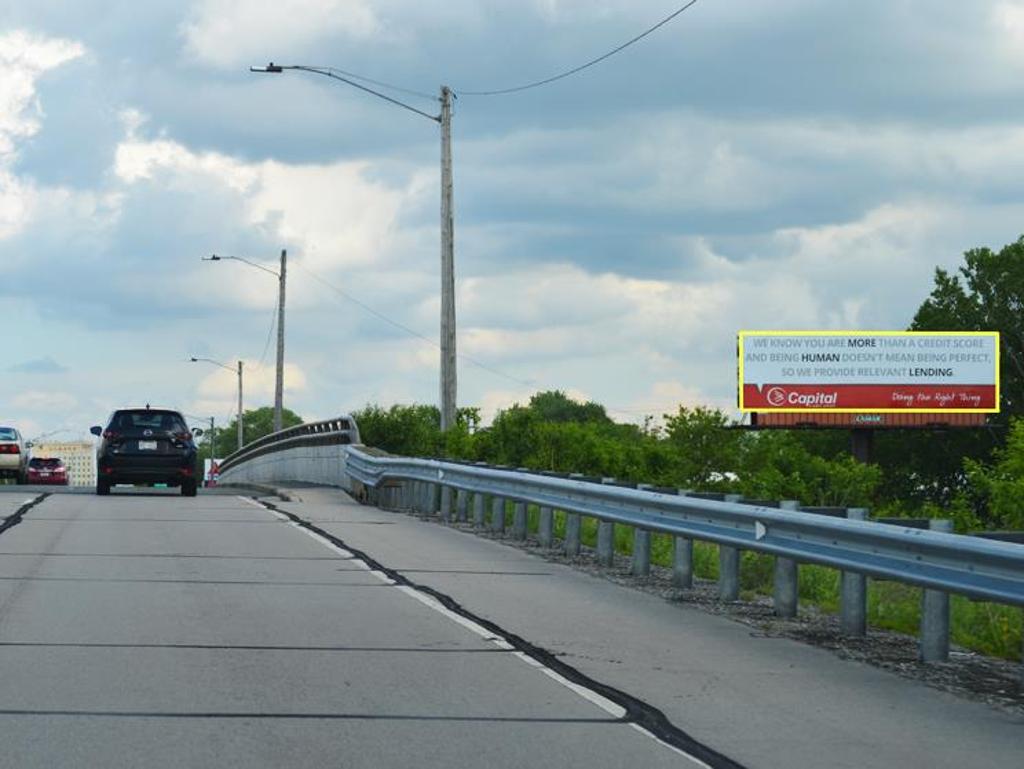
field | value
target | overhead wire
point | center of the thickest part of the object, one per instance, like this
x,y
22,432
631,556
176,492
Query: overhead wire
x,y
412,332
270,334
382,84
581,67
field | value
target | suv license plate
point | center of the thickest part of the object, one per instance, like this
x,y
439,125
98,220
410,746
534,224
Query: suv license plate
x,y
147,445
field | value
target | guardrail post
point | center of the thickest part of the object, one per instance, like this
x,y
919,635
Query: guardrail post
x,y
934,644
431,494
479,510
572,533
462,505
413,493
546,527
729,565
785,585
606,537
682,557
572,526
446,503
498,514
519,521
641,565
853,599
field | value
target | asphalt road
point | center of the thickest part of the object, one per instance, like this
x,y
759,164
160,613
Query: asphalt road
x,y
151,630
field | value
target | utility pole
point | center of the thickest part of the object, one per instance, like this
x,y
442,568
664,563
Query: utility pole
x,y
240,439
213,452
279,385
448,359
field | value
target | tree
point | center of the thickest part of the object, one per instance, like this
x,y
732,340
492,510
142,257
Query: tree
x,y
705,453
556,406
987,294
1001,486
255,424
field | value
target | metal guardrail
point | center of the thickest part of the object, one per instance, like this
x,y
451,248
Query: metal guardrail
x,y
976,567
328,432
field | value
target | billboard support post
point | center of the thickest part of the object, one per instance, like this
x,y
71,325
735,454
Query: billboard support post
x,y
862,443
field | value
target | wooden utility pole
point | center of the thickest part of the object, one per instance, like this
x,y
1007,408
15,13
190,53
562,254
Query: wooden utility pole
x,y
279,384
448,359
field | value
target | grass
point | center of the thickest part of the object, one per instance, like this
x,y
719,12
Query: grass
x,y
988,628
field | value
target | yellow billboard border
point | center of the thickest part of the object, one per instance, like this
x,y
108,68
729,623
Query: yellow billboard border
x,y
739,353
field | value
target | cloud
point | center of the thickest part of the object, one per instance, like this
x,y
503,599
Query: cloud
x,y
231,32
24,58
38,400
45,365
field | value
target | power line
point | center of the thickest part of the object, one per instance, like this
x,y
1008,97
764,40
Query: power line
x,y
333,73
270,334
581,67
382,84
408,330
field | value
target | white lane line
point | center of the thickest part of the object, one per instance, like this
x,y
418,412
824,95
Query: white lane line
x,y
613,709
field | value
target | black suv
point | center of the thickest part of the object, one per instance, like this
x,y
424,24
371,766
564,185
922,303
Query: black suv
x,y
145,447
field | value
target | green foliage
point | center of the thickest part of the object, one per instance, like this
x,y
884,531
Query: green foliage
x,y
774,464
255,424
703,452
1001,485
986,295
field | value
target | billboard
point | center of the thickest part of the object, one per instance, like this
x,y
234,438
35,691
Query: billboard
x,y
880,372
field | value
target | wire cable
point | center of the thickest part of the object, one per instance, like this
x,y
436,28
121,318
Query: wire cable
x,y
581,67
270,334
332,73
408,330
382,84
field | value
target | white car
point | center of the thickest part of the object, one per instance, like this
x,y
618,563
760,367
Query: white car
x,y
13,455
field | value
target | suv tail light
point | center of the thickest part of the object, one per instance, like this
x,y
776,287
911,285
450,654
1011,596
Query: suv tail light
x,y
183,437
109,434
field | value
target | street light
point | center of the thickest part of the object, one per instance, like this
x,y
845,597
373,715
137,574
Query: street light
x,y
281,277
448,357
229,368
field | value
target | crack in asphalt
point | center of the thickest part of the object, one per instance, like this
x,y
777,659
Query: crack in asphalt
x,y
642,714
13,520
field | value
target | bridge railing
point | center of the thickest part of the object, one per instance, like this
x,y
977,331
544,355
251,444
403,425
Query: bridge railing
x,y
329,432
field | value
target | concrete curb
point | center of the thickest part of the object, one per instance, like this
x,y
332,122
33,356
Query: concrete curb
x,y
271,491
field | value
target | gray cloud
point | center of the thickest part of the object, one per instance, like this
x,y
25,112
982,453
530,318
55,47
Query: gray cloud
x,y
46,365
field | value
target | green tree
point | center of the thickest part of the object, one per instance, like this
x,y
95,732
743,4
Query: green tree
x,y
1001,485
556,406
704,453
987,294
255,424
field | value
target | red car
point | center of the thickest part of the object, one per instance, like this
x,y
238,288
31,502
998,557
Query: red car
x,y
47,471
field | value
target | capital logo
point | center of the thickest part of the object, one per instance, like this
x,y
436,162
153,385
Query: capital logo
x,y
776,397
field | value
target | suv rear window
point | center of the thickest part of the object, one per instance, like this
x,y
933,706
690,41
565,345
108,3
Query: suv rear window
x,y
169,421
44,463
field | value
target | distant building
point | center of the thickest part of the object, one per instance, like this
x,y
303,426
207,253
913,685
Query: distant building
x,y
79,456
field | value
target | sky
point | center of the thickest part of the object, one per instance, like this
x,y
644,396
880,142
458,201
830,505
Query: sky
x,y
751,165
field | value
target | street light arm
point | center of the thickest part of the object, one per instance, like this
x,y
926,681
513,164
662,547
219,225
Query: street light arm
x,y
214,362
327,72
217,258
